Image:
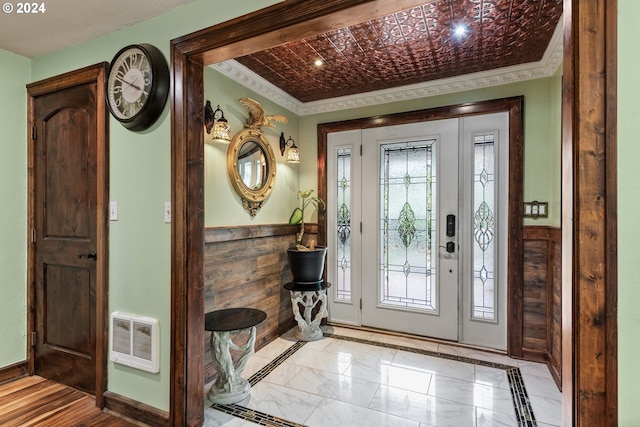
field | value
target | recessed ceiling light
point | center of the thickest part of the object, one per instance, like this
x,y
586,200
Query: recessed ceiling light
x,y
318,62
460,30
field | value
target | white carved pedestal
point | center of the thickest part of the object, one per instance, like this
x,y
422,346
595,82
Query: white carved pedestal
x,y
229,386
303,303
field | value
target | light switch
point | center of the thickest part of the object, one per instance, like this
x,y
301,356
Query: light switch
x,y
167,212
113,211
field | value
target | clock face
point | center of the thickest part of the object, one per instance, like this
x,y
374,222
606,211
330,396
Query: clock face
x,y
130,83
137,86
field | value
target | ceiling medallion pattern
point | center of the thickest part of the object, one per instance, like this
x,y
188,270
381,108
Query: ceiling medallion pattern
x,y
409,47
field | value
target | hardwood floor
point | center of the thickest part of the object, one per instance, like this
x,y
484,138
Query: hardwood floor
x,y
35,401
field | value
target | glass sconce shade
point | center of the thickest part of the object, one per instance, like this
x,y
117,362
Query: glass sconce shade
x,y
222,131
220,126
293,155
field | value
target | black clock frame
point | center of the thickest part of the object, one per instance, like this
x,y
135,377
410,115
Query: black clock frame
x,y
159,92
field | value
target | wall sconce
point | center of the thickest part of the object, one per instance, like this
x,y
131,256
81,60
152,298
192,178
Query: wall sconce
x,y
536,209
293,155
221,128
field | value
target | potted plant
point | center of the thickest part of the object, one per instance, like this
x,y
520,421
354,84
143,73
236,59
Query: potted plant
x,y
307,262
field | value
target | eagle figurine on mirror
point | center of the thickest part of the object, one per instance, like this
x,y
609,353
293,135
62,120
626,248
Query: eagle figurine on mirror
x,y
257,118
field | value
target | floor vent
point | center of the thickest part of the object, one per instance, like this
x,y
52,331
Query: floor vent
x,y
134,341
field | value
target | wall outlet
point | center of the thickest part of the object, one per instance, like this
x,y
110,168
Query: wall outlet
x,y
113,211
167,212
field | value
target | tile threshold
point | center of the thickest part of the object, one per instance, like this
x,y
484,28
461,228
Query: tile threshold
x,y
417,338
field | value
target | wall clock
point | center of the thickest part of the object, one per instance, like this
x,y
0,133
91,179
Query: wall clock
x,y
137,86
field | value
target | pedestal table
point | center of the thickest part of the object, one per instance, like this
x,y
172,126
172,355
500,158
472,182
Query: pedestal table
x,y
304,300
230,387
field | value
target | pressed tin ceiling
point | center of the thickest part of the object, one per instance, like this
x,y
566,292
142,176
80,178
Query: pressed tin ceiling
x,y
412,46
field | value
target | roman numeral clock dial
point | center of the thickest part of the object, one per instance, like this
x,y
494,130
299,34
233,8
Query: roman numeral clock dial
x,y
137,86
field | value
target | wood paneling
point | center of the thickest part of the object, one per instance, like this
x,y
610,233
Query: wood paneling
x,y
535,297
554,312
542,296
246,266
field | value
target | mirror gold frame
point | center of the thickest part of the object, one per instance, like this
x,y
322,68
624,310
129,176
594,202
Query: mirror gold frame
x,y
252,199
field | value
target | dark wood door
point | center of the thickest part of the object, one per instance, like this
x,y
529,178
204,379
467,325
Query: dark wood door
x,y
65,235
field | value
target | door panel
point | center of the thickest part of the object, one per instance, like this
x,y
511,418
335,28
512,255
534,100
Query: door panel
x,y
409,280
65,232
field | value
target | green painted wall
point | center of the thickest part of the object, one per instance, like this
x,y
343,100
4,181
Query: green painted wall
x,y
222,204
140,181
628,207
541,135
14,75
223,207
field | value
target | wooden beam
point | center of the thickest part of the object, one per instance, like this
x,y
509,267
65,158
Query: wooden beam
x,y
589,215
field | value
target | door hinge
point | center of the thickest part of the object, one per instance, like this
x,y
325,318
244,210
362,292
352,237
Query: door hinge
x,y
360,150
34,337
33,235
360,227
33,133
360,304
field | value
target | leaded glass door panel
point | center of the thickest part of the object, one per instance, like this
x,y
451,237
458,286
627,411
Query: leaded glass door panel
x,y
344,239
409,279
484,156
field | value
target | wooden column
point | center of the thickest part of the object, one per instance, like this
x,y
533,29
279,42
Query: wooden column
x,y
589,214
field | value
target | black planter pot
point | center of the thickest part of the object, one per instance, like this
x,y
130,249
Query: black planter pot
x,y
307,267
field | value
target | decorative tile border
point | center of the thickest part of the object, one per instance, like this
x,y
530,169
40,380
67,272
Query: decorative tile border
x,y
254,416
259,376
521,403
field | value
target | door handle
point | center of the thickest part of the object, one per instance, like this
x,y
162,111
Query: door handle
x,y
91,254
450,247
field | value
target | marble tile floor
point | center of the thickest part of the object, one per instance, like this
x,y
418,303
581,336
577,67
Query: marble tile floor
x,y
356,378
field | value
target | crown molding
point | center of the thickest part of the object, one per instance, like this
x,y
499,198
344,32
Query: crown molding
x,y
545,67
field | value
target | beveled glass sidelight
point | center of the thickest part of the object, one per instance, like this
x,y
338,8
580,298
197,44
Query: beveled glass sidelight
x,y
251,165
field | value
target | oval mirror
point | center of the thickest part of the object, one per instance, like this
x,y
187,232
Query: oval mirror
x,y
252,168
252,165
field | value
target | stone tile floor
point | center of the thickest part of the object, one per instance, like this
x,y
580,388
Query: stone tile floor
x,y
356,378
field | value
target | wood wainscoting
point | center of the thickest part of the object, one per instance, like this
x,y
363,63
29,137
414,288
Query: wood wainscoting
x,y
246,266
542,302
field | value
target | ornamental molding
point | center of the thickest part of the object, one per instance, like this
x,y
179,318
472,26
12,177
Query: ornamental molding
x,y
546,67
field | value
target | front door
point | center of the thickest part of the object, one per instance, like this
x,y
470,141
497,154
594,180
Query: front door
x,y
68,232
405,203
417,227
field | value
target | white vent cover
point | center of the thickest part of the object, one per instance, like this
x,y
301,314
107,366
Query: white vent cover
x,y
134,341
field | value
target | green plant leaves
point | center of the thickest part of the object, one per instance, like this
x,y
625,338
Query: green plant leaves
x,y
296,216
